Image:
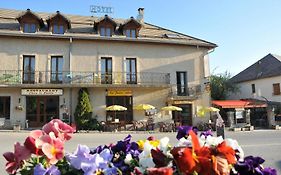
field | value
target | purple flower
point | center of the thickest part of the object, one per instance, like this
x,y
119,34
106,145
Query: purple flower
x,y
184,130
252,166
206,133
89,163
40,170
269,171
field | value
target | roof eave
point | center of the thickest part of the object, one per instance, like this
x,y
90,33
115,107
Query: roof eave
x,y
38,35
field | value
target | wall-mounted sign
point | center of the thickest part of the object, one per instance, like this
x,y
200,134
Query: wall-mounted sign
x,y
119,93
41,92
101,9
181,102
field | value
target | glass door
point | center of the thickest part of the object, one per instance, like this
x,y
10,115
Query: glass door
x,y
106,70
131,70
56,69
29,69
41,109
181,83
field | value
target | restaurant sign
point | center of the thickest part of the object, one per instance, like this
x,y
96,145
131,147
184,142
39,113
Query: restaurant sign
x,y
119,93
41,92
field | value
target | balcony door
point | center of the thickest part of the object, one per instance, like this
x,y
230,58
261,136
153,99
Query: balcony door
x,y
106,70
131,71
181,83
56,69
28,69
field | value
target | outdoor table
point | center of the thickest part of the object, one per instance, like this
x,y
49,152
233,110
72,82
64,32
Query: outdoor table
x,y
115,124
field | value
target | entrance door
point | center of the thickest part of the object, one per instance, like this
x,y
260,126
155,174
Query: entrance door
x,y
184,116
41,109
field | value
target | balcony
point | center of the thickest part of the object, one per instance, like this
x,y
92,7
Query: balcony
x,y
180,92
15,78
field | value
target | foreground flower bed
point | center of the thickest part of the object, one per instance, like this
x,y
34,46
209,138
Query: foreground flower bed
x,y
43,153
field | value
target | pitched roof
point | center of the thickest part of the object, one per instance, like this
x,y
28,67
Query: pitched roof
x,y
268,66
82,27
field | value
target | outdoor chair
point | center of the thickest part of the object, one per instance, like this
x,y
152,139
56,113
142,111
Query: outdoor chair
x,y
161,126
122,125
150,124
138,125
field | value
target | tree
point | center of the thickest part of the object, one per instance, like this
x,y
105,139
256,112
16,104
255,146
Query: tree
x,y
221,86
83,111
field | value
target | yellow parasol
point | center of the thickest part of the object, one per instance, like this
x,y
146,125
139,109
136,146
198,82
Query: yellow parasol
x,y
144,107
171,108
116,108
213,109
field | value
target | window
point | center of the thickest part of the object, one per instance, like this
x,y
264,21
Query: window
x,y
181,83
28,69
130,33
131,70
56,69
253,88
106,70
29,28
276,89
5,107
105,31
58,29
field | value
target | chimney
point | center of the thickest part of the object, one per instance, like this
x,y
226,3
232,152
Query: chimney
x,y
140,16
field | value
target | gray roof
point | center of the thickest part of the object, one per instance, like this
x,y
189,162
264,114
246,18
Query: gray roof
x,y
268,66
82,27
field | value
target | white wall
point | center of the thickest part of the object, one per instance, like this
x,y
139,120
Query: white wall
x,y
264,88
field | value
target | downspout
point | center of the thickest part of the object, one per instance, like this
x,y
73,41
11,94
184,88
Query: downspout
x,y
70,68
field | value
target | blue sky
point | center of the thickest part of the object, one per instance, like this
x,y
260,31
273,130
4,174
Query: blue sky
x,y
244,30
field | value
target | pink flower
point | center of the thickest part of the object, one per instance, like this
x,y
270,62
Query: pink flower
x,y
30,142
15,160
53,148
59,128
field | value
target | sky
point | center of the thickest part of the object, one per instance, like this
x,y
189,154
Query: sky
x,y
244,30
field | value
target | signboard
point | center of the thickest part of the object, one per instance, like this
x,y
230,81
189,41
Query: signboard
x,y
41,92
181,102
101,9
119,93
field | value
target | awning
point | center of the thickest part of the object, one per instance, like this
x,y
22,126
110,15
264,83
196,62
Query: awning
x,y
239,104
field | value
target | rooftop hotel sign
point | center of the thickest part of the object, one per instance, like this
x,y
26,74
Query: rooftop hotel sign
x,y
101,9
41,92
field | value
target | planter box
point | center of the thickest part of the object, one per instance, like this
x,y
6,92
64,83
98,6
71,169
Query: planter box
x,y
17,127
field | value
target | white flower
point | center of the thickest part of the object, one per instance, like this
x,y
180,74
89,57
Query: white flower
x,y
213,141
184,142
145,158
234,145
128,159
163,144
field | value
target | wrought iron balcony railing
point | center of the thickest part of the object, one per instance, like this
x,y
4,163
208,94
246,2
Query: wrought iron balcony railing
x,y
116,78
185,90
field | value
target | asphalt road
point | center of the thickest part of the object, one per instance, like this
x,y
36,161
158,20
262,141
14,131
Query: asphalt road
x,y
264,143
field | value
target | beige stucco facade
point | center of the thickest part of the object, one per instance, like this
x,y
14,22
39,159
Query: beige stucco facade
x,y
85,55
120,61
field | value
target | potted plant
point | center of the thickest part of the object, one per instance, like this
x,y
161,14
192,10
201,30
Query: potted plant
x,y
19,107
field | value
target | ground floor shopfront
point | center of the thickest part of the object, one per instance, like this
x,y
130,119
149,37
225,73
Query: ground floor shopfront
x,y
33,107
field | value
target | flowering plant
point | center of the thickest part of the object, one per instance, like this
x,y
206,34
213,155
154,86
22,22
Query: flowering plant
x,y
43,154
19,107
